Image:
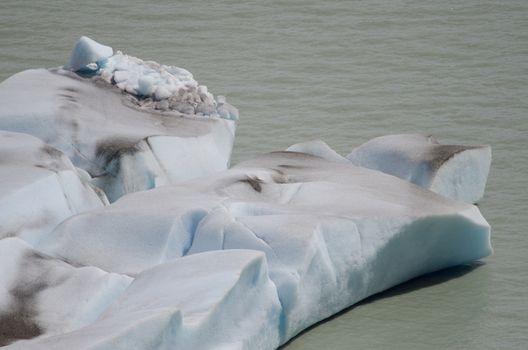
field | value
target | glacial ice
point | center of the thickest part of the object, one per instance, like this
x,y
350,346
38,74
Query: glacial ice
x,y
123,147
333,233
215,300
39,188
209,258
86,52
455,171
41,295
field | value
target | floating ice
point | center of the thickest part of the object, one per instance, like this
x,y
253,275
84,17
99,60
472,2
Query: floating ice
x,y
244,258
457,172
86,52
216,300
333,233
40,295
39,188
125,149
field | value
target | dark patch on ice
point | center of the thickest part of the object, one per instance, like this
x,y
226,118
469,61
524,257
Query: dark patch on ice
x,y
280,178
51,159
19,320
439,154
52,152
71,89
68,93
108,153
291,166
68,97
254,182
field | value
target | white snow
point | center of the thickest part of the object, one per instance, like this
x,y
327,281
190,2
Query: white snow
x,y
333,233
39,188
87,51
455,171
215,300
41,295
124,148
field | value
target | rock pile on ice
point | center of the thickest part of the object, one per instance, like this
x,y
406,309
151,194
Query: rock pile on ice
x,y
154,85
455,171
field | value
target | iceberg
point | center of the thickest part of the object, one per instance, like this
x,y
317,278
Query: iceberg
x,y
39,188
455,171
41,296
333,233
215,300
123,147
121,226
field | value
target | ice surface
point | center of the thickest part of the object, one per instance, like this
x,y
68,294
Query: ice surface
x,y
458,172
124,148
333,233
215,300
318,148
87,51
44,296
39,188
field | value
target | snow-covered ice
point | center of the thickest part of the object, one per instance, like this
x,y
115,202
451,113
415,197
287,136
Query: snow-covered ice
x,y
333,233
215,300
39,188
44,296
124,148
455,171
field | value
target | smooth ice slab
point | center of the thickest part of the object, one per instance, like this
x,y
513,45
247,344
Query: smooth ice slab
x,y
39,188
42,296
216,300
333,233
455,171
123,147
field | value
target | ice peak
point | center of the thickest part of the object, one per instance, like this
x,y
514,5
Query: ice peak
x,y
87,52
153,85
